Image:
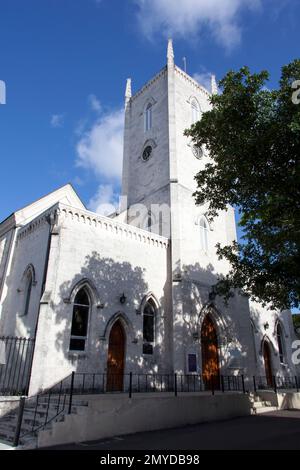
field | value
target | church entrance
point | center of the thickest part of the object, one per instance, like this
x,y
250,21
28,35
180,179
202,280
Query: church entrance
x,y
210,355
268,364
116,358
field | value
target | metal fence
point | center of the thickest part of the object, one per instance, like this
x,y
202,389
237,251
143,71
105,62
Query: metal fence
x,y
15,364
58,400
94,383
275,383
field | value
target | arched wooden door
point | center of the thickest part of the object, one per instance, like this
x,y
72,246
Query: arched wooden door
x,y
210,355
116,358
268,363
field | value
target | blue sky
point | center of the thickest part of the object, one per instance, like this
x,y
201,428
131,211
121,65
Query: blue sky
x,y
65,63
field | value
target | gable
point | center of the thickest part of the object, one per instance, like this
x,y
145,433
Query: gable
x,y
65,194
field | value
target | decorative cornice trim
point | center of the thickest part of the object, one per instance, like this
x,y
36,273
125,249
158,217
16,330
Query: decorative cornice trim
x,y
105,223
148,84
110,225
37,223
192,81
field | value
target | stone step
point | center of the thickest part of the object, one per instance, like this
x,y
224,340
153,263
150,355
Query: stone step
x,y
261,404
7,434
28,443
3,440
255,399
75,402
35,415
264,409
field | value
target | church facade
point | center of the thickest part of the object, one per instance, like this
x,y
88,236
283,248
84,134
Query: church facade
x,y
133,292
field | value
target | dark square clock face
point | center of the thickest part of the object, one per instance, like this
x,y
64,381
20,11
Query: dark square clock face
x,y
147,153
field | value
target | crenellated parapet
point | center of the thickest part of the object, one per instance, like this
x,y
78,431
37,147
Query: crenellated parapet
x,y
119,229
191,81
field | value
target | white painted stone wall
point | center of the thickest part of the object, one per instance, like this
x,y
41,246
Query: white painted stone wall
x,y
122,415
30,248
265,322
116,258
144,178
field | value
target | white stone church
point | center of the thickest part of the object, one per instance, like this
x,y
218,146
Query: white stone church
x,y
133,292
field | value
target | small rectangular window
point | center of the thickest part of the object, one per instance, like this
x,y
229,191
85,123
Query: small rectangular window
x,y
147,348
192,363
77,344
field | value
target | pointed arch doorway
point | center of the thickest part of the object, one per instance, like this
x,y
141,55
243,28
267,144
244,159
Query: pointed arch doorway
x,y
268,363
116,358
210,354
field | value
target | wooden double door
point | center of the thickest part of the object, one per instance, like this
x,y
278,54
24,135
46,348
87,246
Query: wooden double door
x,y
116,358
210,354
268,363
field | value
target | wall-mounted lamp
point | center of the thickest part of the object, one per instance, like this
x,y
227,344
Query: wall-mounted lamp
x,y
123,298
212,294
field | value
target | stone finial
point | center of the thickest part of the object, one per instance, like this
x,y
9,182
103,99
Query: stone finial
x,y
170,52
214,86
128,90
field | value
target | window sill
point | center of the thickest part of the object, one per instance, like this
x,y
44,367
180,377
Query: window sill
x,y
81,354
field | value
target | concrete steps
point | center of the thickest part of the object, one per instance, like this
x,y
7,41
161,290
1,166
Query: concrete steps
x,y
260,406
35,417
265,409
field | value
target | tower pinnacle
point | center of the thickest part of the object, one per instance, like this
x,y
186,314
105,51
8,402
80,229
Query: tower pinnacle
x,y
214,86
128,91
170,52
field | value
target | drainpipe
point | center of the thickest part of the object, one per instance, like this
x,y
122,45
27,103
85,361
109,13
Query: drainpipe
x,y
51,220
8,261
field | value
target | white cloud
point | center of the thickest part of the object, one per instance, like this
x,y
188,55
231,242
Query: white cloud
x,y
57,120
190,18
94,103
100,148
204,79
105,201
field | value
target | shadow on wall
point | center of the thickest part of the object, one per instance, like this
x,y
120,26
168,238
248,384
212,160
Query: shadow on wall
x,y
232,321
176,334
106,280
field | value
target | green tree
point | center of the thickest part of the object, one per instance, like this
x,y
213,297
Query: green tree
x,y
253,137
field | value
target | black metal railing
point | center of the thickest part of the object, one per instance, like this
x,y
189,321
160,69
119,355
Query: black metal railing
x,y
275,383
36,412
93,383
39,410
17,355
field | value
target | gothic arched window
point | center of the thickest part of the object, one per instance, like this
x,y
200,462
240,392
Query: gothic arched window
x,y
280,343
149,312
204,234
148,117
195,111
80,318
28,287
